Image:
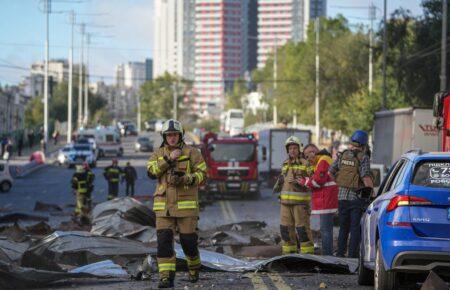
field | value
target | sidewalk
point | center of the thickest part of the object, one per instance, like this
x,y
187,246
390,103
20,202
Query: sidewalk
x,y
26,152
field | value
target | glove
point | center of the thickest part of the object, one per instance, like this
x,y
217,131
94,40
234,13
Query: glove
x,y
301,181
174,180
187,179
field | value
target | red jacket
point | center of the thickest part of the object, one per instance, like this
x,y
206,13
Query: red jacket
x,y
324,189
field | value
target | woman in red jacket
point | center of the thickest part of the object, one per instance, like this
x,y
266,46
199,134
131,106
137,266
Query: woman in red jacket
x,y
324,200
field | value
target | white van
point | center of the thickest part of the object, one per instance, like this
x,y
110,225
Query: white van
x,y
107,141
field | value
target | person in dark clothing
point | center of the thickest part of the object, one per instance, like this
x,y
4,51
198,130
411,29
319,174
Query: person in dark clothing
x,y
4,142
20,145
31,138
130,177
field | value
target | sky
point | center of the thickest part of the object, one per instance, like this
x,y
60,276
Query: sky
x,y
122,31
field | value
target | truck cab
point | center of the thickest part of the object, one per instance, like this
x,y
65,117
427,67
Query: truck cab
x,y
232,166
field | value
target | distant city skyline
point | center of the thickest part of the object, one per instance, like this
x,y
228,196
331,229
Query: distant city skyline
x,y
23,42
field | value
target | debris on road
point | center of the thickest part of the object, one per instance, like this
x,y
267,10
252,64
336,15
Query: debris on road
x,y
105,269
434,282
15,217
79,249
42,206
124,217
11,251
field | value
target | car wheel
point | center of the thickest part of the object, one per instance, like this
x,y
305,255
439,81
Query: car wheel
x,y
5,186
365,276
383,280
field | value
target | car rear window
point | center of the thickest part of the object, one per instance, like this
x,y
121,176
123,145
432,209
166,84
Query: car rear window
x,y
432,174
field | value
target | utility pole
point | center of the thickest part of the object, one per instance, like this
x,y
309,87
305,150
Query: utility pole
x,y
47,9
384,55
86,82
275,68
80,80
444,47
138,112
371,17
175,101
317,103
70,96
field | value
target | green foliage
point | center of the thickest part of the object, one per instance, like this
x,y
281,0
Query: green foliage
x,y
34,113
234,98
157,97
209,125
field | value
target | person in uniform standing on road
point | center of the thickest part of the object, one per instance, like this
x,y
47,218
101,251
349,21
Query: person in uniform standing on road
x,y
112,175
324,193
179,170
352,172
294,199
80,181
130,176
91,178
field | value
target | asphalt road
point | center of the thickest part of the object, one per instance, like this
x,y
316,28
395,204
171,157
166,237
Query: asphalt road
x,y
52,185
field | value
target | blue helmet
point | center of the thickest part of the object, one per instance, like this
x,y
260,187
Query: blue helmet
x,y
361,137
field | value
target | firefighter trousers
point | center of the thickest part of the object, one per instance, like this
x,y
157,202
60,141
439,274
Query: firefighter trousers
x,y
166,227
113,190
82,205
295,230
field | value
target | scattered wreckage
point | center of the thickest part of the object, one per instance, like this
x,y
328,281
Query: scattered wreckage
x,y
121,244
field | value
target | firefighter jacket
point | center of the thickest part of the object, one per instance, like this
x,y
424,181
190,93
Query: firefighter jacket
x,y
90,179
112,174
348,175
292,193
177,199
80,182
324,189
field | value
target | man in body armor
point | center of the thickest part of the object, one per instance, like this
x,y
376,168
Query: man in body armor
x,y
352,174
294,199
80,185
179,169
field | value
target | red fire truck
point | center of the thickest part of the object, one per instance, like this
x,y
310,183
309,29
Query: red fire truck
x,y
232,166
441,110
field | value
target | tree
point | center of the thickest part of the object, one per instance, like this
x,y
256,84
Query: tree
x,y
34,113
234,98
157,97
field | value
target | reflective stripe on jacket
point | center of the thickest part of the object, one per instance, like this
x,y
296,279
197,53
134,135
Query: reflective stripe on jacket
x,y
177,200
292,193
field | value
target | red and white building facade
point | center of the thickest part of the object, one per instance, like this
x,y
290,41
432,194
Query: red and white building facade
x,y
280,21
220,51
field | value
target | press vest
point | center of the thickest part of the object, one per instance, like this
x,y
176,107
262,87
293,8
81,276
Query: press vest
x,y
348,175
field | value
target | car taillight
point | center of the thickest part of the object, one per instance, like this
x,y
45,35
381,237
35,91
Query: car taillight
x,y
404,200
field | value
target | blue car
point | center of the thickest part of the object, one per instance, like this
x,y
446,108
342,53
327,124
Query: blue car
x,y
405,231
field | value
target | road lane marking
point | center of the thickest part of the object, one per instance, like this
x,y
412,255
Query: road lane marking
x,y
231,212
258,282
224,210
278,281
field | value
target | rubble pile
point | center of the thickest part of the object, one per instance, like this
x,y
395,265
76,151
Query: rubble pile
x,y
121,245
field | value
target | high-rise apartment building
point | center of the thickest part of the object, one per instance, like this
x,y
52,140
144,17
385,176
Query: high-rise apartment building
x,y
173,46
148,69
221,50
130,75
280,21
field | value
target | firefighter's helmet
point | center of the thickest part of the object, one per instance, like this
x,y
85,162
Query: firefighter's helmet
x,y
293,140
172,126
79,169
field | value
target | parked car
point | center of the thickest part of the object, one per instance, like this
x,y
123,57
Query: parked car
x,y
154,125
406,229
6,181
143,144
77,154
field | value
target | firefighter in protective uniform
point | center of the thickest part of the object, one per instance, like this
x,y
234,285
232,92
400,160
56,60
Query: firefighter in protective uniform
x,y
91,178
179,169
112,175
80,181
295,199
352,173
